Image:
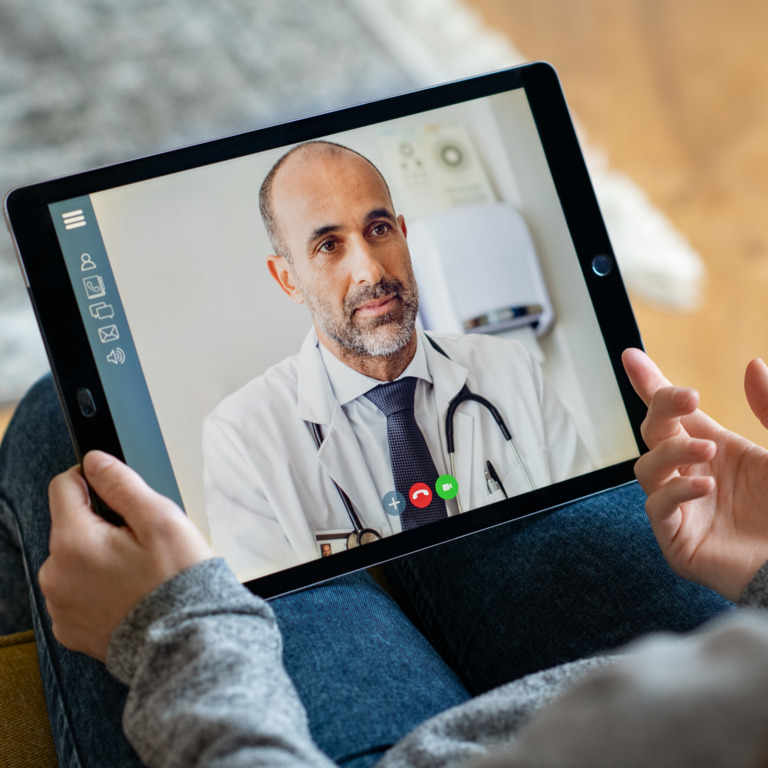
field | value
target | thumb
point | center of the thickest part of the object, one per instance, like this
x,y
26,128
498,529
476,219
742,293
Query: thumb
x,y
643,373
756,388
124,491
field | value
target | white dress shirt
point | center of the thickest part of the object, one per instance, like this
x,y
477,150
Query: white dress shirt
x,y
369,424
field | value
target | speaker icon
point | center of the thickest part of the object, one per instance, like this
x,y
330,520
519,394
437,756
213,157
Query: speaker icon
x,y
116,356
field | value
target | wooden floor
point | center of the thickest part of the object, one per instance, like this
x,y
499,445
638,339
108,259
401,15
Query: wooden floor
x,y
675,91
5,417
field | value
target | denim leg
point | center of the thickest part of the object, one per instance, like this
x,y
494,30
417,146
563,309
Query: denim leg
x,y
365,675
549,589
15,613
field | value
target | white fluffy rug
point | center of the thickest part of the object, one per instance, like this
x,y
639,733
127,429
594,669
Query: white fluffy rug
x,y
88,82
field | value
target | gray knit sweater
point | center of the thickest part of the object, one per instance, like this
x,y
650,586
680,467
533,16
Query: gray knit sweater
x,y
202,658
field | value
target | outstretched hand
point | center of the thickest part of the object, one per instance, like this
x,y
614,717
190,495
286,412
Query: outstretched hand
x,y
707,487
96,572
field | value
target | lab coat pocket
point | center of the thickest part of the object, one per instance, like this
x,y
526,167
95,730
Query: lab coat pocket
x,y
516,481
497,495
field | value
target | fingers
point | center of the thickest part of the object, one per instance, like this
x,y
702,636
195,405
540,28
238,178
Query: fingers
x,y
68,497
756,388
124,491
670,458
667,407
643,373
665,502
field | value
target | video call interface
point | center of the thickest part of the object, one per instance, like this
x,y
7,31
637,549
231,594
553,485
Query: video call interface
x,y
393,331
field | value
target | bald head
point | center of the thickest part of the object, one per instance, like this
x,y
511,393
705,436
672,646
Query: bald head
x,y
301,157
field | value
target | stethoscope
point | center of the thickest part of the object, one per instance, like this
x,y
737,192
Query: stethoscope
x,y
362,535
359,534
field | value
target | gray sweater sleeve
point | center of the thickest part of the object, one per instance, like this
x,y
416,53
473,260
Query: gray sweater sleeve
x,y
671,701
202,658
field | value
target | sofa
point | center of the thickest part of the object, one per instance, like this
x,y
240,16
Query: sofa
x,y
25,733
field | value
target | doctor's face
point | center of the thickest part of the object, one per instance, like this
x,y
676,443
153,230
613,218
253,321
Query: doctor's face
x,y
349,258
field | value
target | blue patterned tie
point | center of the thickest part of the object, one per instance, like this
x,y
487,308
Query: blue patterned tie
x,y
408,451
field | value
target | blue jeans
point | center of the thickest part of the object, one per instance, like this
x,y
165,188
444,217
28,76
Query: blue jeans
x,y
475,613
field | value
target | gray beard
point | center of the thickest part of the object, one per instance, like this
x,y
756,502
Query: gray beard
x,y
381,340
375,337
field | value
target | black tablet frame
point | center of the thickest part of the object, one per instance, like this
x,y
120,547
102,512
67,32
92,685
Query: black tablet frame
x,y
73,366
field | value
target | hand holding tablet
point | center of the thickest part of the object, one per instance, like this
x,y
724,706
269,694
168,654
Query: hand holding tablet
x,y
96,572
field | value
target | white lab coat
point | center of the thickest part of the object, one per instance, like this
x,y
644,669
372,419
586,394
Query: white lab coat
x,y
269,490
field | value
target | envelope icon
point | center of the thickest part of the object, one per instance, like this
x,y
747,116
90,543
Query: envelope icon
x,y
108,333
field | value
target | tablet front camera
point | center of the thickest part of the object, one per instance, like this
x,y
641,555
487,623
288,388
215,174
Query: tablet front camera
x,y
602,265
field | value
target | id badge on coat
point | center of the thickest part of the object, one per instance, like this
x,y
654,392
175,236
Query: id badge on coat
x,y
331,541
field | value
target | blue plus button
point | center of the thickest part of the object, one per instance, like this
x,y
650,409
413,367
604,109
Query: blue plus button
x,y
393,503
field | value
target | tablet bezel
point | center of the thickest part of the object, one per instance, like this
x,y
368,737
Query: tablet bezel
x,y
73,366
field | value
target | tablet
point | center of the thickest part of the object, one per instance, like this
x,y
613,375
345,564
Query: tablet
x,y
340,340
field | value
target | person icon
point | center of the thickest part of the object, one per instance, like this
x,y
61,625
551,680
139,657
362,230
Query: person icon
x,y
86,262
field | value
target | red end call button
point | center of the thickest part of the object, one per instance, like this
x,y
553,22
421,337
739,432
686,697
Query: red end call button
x,y
420,495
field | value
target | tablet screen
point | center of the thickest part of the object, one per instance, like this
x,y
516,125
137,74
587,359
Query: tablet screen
x,y
247,317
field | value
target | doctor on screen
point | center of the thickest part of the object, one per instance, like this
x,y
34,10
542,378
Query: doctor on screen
x,y
350,439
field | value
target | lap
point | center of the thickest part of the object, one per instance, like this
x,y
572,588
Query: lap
x,y
367,676
496,605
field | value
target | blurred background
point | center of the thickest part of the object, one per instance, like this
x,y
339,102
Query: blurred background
x,y
669,97
673,91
